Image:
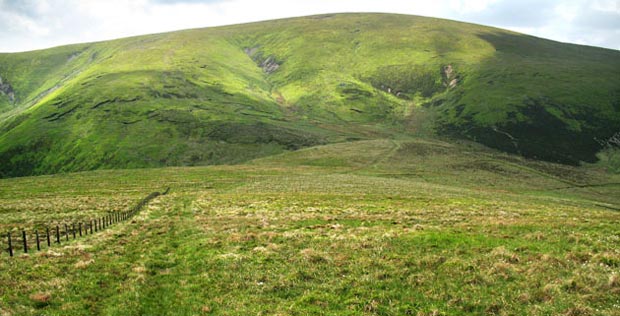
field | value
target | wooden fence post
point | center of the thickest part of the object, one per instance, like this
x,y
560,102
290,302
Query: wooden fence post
x,y
57,234
36,234
80,225
91,226
73,230
66,232
24,241
8,235
47,235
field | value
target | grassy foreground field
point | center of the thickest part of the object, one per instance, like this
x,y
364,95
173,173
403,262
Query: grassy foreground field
x,y
384,227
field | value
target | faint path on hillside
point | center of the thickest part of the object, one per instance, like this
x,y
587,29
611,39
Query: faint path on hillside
x,y
383,157
388,154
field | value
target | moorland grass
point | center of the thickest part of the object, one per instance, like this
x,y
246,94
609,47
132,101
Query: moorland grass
x,y
399,229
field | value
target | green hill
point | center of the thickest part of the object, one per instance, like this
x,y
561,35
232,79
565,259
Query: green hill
x,y
231,94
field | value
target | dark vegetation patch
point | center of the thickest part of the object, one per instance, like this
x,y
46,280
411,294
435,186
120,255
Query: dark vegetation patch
x,y
58,116
530,46
132,122
119,100
542,135
257,133
405,81
23,159
353,92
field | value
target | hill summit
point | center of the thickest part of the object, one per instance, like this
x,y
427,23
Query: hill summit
x,y
235,93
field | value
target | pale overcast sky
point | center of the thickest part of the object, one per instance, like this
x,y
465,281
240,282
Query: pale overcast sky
x,y
34,24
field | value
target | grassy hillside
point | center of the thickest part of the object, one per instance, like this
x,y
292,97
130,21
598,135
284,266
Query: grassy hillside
x,y
231,94
381,227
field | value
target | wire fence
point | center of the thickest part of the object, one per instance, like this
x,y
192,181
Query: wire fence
x,y
32,240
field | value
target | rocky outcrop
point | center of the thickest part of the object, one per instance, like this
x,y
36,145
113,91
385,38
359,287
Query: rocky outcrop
x,y
269,64
7,89
450,78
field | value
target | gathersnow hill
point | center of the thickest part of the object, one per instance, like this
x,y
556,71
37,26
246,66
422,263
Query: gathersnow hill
x,y
230,94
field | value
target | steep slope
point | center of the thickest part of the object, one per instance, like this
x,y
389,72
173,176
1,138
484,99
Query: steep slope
x,y
229,94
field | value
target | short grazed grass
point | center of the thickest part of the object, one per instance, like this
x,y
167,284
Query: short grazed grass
x,y
325,235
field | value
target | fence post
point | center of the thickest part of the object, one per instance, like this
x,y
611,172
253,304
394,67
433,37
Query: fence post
x,y
80,225
10,245
67,232
25,241
91,226
47,235
57,234
36,234
73,230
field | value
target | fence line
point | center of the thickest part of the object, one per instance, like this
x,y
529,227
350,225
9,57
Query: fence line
x,y
84,228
